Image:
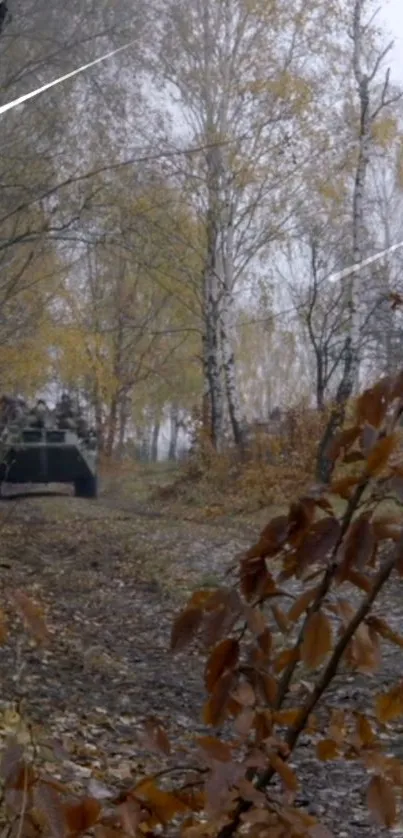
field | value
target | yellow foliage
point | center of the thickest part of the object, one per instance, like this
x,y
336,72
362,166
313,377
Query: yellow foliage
x,y
285,86
384,131
332,191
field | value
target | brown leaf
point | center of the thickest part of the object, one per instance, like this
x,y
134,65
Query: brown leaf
x,y
285,657
268,688
216,708
337,726
341,442
358,546
263,723
389,706
204,598
379,456
255,620
104,831
300,518
155,736
320,539
317,641
131,816
219,621
345,611
49,805
214,748
223,657
373,403
381,627
284,771
364,732
83,815
271,540
265,642
302,604
185,627
280,618
354,457
381,801
360,580
254,577
163,804
344,486
32,616
327,749
363,650
288,717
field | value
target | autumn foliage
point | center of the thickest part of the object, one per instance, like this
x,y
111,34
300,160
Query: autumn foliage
x,y
262,693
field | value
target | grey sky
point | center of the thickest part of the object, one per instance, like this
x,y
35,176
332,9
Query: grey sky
x,y
392,15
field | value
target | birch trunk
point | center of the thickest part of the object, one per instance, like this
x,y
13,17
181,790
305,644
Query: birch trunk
x,y
351,355
112,426
155,434
212,304
99,425
174,431
123,419
226,328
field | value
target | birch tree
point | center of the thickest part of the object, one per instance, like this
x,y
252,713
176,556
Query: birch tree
x,y
374,99
383,333
120,315
239,76
42,194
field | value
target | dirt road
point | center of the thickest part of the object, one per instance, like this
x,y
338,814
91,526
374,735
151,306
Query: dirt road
x,y
110,575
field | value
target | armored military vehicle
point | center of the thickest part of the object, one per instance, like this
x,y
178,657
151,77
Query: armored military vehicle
x,y
49,455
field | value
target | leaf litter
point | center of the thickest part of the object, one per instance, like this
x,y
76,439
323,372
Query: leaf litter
x,y
109,583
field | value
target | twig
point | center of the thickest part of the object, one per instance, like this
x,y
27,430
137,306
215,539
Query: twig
x,y
323,590
330,670
263,779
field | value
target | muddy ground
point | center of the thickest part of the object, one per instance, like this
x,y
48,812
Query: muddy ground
x,y
111,574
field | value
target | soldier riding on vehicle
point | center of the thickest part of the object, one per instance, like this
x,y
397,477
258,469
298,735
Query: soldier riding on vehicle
x,y
38,416
65,413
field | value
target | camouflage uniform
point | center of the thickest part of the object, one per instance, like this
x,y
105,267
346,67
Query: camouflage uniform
x,y
65,415
81,425
38,415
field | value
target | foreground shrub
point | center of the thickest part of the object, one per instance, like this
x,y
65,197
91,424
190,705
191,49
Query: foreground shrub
x,y
262,696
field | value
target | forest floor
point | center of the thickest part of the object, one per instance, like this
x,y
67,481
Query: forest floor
x,y
111,574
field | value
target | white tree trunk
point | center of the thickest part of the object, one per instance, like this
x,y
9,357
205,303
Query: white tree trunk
x,y
227,309
211,343
367,117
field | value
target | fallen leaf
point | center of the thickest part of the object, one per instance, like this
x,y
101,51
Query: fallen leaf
x,y
381,801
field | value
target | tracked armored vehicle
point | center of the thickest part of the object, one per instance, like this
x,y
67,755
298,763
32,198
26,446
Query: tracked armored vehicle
x,y
49,455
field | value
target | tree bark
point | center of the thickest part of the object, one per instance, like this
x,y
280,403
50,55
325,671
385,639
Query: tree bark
x,y
112,426
226,334
155,433
123,418
174,431
212,301
351,354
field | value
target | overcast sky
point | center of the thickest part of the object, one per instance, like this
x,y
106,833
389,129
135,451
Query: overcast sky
x,y
392,14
